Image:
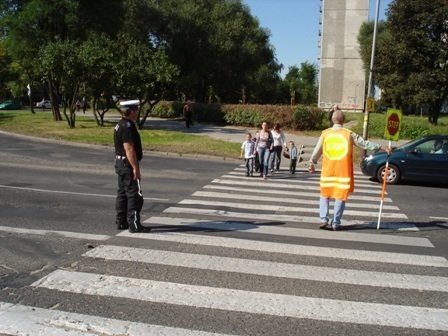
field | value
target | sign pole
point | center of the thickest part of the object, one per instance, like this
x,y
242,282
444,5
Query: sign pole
x,y
391,132
365,127
383,189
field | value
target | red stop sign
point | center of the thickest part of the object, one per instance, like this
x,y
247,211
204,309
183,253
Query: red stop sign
x,y
393,124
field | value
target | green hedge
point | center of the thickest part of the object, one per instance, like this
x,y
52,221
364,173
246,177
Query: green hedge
x,y
298,117
308,118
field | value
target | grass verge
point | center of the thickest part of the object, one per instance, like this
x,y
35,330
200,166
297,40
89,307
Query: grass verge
x,y
42,125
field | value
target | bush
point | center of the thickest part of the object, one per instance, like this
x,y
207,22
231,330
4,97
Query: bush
x,y
166,110
209,113
308,118
244,116
254,115
300,117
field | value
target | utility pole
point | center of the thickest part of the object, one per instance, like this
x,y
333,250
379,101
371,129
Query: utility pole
x,y
369,85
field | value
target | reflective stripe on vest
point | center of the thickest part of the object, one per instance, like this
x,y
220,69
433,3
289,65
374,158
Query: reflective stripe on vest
x,y
335,182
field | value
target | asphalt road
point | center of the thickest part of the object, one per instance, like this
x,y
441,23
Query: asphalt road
x,y
228,255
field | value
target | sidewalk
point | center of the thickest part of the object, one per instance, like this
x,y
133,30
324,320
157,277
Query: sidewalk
x,y
230,133
226,133
237,134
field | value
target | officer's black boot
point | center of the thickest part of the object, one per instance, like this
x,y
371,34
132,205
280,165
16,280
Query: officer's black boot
x,y
122,225
121,221
134,223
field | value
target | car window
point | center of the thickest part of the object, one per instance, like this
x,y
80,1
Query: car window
x,y
431,147
424,147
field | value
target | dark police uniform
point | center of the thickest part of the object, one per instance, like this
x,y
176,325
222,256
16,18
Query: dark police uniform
x,y
129,200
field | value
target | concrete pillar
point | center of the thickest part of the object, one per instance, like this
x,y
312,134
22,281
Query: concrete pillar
x,y
342,77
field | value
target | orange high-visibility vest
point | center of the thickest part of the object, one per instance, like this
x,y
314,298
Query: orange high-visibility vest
x,y
336,178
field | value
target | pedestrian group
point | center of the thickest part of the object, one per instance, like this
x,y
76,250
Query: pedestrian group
x,y
262,154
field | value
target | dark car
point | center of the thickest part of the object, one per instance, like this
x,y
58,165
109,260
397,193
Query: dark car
x,y
423,159
10,105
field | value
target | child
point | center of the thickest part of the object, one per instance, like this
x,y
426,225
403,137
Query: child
x,y
248,148
256,160
293,153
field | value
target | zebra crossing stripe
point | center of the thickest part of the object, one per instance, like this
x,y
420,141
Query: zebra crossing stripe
x,y
251,216
289,231
247,301
27,320
281,208
356,173
265,191
293,249
284,218
274,184
359,176
287,179
291,200
271,269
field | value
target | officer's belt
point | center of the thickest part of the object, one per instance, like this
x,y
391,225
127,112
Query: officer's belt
x,y
120,157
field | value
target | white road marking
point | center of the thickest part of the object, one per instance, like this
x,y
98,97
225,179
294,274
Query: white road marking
x,y
271,269
247,301
359,176
357,173
280,208
293,249
282,178
292,200
270,183
286,218
73,193
439,218
314,193
68,234
27,320
279,230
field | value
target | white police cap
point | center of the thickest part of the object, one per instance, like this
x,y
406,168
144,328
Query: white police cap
x,y
130,103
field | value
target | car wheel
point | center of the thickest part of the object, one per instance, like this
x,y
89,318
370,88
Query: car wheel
x,y
393,174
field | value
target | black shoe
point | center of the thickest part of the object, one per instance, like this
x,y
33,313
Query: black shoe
x,y
140,228
123,226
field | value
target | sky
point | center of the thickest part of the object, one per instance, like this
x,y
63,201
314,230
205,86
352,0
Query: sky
x,y
294,27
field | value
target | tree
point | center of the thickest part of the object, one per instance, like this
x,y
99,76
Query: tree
x,y
308,83
5,70
292,83
21,41
143,73
216,44
64,71
412,53
29,26
99,57
302,83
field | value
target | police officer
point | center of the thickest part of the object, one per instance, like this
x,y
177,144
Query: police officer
x,y
128,154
